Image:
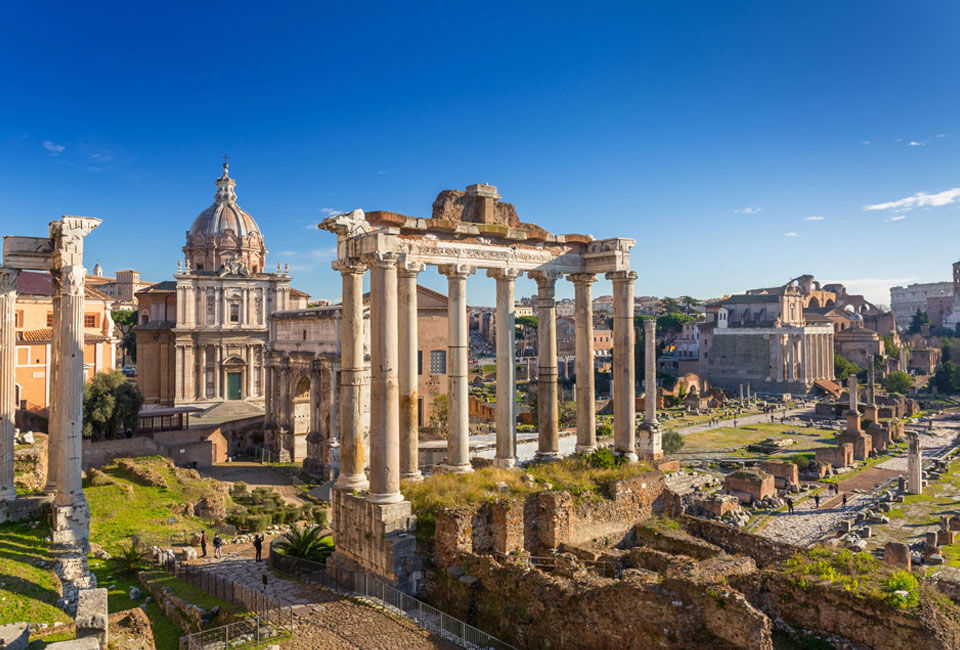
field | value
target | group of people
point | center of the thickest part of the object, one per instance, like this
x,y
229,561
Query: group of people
x,y
816,498
218,545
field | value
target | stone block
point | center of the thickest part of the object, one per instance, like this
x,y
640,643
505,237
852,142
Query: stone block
x,y
92,615
897,554
507,526
784,471
188,553
861,442
931,538
750,486
15,636
955,523
86,643
839,456
945,537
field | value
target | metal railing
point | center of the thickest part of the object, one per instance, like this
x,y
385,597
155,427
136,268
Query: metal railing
x,y
244,632
357,583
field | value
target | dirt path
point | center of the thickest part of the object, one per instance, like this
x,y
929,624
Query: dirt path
x,y
255,475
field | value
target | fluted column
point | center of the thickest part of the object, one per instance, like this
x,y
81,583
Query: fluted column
x,y
384,391
548,406
506,455
778,356
624,373
204,360
805,357
407,309
8,361
586,400
458,415
351,378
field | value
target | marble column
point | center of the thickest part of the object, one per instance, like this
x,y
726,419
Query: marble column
x,y
586,399
216,372
778,355
352,461
458,416
651,446
506,416
189,373
8,362
624,387
384,389
409,380
54,437
203,372
548,406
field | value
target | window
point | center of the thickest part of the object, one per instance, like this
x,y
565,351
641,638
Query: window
x,y
234,312
420,363
438,362
18,319
89,320
49,319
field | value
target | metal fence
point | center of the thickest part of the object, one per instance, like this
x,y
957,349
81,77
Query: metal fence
x,y
357,583
235,635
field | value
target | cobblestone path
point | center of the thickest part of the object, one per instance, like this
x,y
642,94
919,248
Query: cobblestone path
x,y
807,523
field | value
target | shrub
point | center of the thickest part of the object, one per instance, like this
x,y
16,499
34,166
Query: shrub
x,y
305,543
239,487
258,523
801,461
603,458
320,516
902,581
128,560
604,430
672,442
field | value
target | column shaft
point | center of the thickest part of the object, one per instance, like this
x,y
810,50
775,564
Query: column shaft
x,y
8,363
384,391
53,406
506,455
624,373
407,307
458,416
548,406
351,379
69,394
586,400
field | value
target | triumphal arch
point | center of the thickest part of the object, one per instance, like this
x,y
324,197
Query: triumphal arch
x,y
467,232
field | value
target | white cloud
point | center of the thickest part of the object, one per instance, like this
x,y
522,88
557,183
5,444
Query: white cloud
x,y
329,212
54,149
789,234
813,218
866,142
899,140
914,143
381,172
748,210
919,200
897,218
941,135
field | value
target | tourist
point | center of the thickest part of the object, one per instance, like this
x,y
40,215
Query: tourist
x,y
816,500
203,543
790,505
217,543
258,545
844,500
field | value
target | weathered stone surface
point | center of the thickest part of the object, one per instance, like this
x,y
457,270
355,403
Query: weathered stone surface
x,y
479,204
92,615
897,554
87,643
14,636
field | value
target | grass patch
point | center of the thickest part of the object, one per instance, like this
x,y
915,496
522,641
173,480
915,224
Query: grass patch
x,y
27,591
732,438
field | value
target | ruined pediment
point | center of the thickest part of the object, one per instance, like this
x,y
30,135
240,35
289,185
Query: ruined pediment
x,y
479,204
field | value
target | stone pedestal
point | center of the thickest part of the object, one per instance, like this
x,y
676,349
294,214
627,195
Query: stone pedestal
x,y
376,538
92,615
853,422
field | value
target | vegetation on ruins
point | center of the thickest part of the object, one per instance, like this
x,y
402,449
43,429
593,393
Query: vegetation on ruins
x,y
898,382
947,377
307,543
438,415
111,405
843,367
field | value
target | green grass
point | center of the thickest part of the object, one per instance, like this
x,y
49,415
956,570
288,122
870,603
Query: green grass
x,y
734,438
39,644
27,592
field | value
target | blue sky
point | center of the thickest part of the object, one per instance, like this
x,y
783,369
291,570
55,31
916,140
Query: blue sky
x,y
740,143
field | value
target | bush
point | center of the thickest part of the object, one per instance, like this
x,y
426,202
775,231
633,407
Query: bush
x,y
672,442
239,487
258,523
320,516
604,430
801,461
603,458
902,581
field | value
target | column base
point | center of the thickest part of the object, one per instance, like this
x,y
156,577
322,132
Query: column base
x,y
456,469
505,463
650,455
384,499
412,476
358,482
541,456
586,449
71,526
631,456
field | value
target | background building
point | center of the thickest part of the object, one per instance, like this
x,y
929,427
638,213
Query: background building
x,y
905,301
122,289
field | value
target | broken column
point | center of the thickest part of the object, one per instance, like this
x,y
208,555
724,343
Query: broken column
x,y
914,463
862,443
650,446
8,407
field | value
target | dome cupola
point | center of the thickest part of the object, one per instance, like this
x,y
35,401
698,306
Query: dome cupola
x,y
224,234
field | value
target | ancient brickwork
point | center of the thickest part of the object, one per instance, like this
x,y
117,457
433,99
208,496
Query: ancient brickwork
x,y
750,486
784,473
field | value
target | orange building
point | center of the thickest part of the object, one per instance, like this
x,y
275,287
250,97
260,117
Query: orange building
x,y
34,323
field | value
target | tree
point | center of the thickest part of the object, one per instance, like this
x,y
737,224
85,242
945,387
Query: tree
x,y
672,442
527,321
891,350
306,543
111,404
438,414
842,367
672,323
670,306
947,377
898,382
689,303
918,321
126,320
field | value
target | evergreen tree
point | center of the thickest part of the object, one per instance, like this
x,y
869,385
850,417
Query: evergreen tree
x,y
111,405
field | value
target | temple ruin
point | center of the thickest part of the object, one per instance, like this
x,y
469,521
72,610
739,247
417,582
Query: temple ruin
x,y
467,231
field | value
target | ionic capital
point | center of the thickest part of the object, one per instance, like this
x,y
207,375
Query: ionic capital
x,y
457,270
504,274
582,278
621,276
349,266
381,259
544,278
8,281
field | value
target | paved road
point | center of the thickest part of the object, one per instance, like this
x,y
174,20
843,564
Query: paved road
x,y
746,419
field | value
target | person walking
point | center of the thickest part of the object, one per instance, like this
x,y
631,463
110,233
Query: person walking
x,y
203,543
790,505
816,500
844,500
258,545
217,544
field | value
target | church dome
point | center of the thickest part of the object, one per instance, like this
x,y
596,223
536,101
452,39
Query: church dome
x,y
224,233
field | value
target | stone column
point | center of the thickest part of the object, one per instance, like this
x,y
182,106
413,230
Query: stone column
x,y
852,387
352,476
384,391
458,416
651,447
806,353
189,373
409,379
624,395
8,363
548,399
914,463
217,358
54,433
778,355
586,393
792,372
506,455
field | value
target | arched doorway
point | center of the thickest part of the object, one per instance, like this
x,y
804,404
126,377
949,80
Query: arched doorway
x,y
233,370
301,416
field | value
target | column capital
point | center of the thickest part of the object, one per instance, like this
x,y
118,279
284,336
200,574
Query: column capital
x,y
504,274
72,279
67,234
409,268
582,278
649,325
621,276
457,270
8,280
544,278
349,266
381,259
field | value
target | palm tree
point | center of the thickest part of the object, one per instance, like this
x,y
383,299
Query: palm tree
x,y
305,543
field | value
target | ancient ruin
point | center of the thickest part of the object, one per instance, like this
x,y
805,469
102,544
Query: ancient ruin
x,y
467,231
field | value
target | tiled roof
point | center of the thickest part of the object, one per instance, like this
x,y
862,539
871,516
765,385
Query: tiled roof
x,y
38,283
167,286
45,335
298,293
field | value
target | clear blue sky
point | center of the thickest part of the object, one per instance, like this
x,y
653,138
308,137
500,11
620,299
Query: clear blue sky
x,y
739,142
